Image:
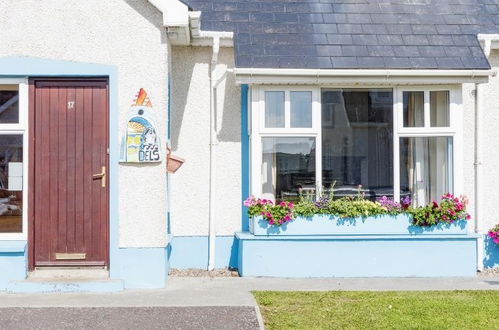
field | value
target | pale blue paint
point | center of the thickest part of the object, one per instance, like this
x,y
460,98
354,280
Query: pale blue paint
x,y
142,267
332,225
491,253
13,262
245,156
30,286
7,247
192,252
357,256
123,262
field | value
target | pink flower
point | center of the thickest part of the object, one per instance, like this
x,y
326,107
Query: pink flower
x,y
249,201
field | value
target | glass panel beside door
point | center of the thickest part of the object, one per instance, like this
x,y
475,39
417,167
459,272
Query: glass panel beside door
x,y
11,183
9,104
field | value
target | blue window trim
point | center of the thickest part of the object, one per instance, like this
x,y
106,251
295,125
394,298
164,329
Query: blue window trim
x,y
245,156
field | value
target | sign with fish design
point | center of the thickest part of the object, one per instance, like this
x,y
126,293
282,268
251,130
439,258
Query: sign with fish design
x,y
140,143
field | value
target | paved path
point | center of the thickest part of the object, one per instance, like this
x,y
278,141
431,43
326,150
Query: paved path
x,y
193,302
235,291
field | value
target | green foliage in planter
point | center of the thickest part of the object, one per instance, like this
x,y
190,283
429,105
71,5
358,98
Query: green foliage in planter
x,y
450,209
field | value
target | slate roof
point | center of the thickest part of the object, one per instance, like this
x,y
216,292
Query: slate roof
x,y
354,34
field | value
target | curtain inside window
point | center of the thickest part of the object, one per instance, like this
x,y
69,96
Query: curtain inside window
x,y
426,168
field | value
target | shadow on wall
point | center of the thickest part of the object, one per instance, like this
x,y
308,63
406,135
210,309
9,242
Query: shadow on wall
x,y
491,258
152,14
184,61
192,252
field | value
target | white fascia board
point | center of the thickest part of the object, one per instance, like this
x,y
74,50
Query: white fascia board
x,y
358,76
488,42
175,13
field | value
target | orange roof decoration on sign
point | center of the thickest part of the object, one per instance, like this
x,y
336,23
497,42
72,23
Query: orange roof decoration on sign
x,y
142,99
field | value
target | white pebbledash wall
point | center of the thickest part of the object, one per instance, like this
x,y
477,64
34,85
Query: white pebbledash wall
x,y
190,120
127,34
489,147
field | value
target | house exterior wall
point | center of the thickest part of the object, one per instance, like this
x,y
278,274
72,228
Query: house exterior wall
x,y
190,129
489,144
102,32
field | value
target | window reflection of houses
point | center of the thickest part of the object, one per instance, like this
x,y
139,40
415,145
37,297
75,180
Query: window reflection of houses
x,y
357,141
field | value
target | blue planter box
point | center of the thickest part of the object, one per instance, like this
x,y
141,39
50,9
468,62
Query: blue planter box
x,y
332,225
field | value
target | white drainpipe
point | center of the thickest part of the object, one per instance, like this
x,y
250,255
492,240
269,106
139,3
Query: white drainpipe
x,y
213,143
478,176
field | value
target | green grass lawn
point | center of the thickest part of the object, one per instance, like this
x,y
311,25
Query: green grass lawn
x,y
380,310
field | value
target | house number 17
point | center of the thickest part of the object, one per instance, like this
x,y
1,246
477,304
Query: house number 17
x,y
71,105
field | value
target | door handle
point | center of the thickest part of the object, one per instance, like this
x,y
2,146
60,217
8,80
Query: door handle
x,y
101,176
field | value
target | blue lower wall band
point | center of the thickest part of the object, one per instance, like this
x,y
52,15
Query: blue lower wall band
x,y
192,252
491,253
363,256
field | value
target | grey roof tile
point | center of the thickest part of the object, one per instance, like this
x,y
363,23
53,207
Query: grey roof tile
x,y
362,34
364,39
329,50
354,50
371,62
374,28
380,51
415,40
409,51
449,62
344,62
349,28
397,62
339,39
423,63
325,28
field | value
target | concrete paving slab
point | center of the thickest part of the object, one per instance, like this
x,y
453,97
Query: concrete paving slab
x,y
244,318
233,291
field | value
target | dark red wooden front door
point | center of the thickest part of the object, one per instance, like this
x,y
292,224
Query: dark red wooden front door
x,y
68,173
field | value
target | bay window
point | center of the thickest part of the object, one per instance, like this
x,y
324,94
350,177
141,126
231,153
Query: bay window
x,y
394,142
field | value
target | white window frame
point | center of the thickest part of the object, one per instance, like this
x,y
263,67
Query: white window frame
x,y
20,128
454,130
258,130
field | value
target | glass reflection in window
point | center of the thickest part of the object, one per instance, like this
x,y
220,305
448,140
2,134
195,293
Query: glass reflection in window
x,y
357,141
9,104
11,183
288,167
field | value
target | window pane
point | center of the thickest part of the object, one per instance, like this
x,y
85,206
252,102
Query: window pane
x,y
413,109
288,167
425,168
301,109
439,109
357,141
11,179
9,104
274,109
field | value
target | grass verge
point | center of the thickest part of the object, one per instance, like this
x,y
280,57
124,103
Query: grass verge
x,y
380,310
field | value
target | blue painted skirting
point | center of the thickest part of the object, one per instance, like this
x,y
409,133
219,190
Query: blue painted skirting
x,y
13,262
491,253
357,256
142,267
192,252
